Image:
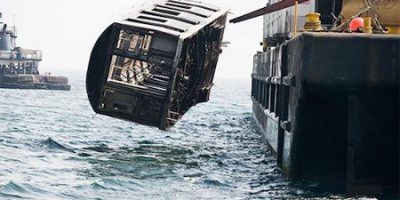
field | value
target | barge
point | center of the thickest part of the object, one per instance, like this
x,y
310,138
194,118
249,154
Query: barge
x,y
327,97
151,68
19,68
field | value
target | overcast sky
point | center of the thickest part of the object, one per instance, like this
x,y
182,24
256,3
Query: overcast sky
x,y
66,30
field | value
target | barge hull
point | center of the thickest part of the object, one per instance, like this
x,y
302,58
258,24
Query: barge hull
x,y
328,105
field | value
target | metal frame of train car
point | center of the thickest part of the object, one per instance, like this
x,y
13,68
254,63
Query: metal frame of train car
x,y
151,68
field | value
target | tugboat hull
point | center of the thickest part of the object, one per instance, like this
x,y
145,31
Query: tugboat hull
x,y
19,67
34,82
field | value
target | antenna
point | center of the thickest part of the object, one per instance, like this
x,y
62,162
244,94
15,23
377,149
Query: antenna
x,y
14,28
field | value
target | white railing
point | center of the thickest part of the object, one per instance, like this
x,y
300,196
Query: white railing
x,y
8,55
25,55
31,55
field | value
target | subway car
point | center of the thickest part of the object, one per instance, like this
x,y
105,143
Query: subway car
x,y
153,67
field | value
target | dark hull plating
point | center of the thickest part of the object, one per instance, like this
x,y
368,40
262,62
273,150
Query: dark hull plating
x,y
328,105
34,82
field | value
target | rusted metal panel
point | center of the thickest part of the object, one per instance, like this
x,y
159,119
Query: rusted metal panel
x,y
386,10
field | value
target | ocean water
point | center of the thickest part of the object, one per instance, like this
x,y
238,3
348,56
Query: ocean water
x,y
52,146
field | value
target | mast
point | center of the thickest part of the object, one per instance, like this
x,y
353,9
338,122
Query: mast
x,y
268,9
14,28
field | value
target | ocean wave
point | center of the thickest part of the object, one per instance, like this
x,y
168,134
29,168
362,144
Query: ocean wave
x,y
51,145
55,149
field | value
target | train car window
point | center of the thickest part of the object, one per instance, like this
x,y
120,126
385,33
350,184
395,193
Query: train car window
x,y
164,44
129,71
134,42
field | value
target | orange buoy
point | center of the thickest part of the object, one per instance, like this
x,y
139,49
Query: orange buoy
x,y
356,24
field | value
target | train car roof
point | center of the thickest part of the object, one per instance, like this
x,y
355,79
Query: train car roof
x,y
181,18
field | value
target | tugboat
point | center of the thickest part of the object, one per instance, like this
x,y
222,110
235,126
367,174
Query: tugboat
x,y
325,91
19,68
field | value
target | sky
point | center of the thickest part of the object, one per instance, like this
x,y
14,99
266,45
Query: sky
x,y
66,30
